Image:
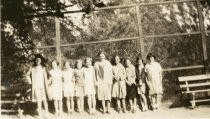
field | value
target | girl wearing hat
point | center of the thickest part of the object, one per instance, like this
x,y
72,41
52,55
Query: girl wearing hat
x,y
37,76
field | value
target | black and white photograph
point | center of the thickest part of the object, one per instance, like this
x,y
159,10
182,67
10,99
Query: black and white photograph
x,y
105,59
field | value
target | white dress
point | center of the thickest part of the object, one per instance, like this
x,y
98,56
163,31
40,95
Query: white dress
x,y
90,81
154,78
38,77
56,86
68,83
104,76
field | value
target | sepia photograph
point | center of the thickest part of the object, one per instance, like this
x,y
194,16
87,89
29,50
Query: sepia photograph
x,y
105,59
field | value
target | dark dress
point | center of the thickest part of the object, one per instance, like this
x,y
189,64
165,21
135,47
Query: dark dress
x,y
131,82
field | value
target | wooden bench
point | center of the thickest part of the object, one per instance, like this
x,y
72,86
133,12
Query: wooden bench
x,y
193,85
11,98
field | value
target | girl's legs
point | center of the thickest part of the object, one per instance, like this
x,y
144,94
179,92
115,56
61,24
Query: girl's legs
x,y
153,101
60,106
56,107
72,104
82,103
118,105
123,105
78,104
45,105
158,100
94,103
103,106
131,104
134,105
143,102
68,104
89,104
39,107
108,106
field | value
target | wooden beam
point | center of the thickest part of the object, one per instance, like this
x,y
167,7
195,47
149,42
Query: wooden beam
x,y
122,39
184,68
102,41
140,42
203,35
171,35
58,48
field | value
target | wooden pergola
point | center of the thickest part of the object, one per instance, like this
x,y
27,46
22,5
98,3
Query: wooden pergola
x,y
140,38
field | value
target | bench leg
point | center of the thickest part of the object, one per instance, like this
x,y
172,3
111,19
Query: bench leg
x,y
20,111
193,100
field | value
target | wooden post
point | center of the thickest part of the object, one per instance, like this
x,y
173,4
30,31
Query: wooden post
x,y
203,36
57,38
140,42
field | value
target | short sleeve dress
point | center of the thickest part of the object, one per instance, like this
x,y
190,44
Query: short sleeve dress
x,y
56,86
90,88
38,77
153,78
104,76
119,85
68,83
79,76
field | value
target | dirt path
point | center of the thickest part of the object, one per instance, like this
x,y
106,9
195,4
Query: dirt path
x,y
202,111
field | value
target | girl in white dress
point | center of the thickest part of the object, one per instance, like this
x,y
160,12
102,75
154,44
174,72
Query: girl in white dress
x,y
154,81
79,77
68,86
56,87
90,80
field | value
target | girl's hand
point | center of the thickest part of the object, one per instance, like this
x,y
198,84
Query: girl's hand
x,y
129,83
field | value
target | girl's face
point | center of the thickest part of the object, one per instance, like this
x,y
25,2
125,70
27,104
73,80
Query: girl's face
x,y
38,61
117,60
152,59
88,63
139,62
67,65
102,56
128,62
79,65
54,65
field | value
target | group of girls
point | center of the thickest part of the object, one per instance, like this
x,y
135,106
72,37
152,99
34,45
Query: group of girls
x,y
102,80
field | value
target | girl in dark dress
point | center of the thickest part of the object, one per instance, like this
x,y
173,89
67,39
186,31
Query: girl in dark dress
x,y
131,84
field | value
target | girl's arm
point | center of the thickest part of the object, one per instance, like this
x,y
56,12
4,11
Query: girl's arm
x,y
115,77
28,75
134,75
123,77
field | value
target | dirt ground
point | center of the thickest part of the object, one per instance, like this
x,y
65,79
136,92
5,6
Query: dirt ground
x,y
201,111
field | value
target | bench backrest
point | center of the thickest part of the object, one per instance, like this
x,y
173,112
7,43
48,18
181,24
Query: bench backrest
x,y
189,83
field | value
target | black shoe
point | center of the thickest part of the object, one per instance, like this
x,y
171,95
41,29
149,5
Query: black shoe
x,y
108,112
119,110
124,111
104,112
133,111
